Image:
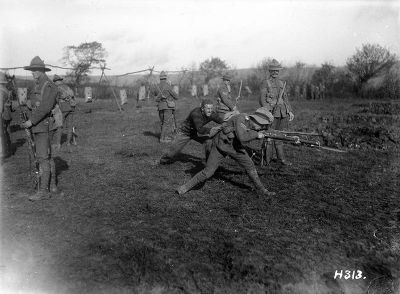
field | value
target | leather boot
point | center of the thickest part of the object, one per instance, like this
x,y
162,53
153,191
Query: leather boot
x,y
259,186
281,155
268,153
53,178
197,179
43,192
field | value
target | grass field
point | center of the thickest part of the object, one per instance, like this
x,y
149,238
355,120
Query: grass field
x,y
120,228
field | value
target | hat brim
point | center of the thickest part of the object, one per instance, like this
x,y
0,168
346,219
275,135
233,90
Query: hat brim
x,y
56,80
275,68
260,120
36,68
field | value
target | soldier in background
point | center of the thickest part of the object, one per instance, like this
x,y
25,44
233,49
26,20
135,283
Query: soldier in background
x,y
226,104
313,92
297,92
304,91
43,100
166,108
322,91
5,111
236,132
271,90
67,104
317,92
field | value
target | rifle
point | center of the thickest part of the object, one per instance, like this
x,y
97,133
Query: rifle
x,y
34,171
240,90
296,140
74,136
279,98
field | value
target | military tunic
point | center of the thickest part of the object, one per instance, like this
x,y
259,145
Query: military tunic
x,y
166,106
43,100
270,92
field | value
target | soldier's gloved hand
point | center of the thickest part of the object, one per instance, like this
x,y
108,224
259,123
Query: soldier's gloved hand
x,y
291,116
260,135
26,124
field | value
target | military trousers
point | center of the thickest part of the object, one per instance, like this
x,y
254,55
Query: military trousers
x,y
214,160
180,142
5,138
167,120
43,155
68,121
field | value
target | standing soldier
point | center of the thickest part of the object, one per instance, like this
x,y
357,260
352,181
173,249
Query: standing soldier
x,y
238,130
313,92
304,91
322,90
166,107
43,99
317,92
297,92
226,105
5,111
274,97
67,103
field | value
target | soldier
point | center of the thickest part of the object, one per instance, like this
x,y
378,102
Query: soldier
x,y
43,99
5,111
238,130
313,92
226,106
297,92
166,107
322,91
193,128
271,91
67,104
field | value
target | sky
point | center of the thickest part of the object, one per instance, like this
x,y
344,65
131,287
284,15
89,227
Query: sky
x,y
172,35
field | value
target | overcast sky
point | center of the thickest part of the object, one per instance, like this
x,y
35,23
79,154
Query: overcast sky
x,y
176,34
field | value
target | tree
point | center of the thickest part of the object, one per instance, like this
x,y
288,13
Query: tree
x,y
368,62
212,68
81,58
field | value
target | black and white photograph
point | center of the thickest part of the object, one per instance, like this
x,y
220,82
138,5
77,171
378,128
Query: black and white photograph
x,y
205,147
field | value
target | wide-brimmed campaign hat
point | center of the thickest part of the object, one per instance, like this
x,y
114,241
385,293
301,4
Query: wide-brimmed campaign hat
x,y
37,65
274,65
3,79
263,116
226,77
57,78
163,75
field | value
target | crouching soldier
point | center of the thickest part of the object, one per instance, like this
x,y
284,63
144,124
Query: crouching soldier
x,y
43,99
238,130
194,128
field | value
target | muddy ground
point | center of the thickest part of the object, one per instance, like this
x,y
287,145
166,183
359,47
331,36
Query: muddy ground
x,y
120,228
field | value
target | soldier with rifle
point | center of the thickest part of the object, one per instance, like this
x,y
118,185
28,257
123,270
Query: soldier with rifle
x,y
274,97
166,107
43,100
235,132
5,111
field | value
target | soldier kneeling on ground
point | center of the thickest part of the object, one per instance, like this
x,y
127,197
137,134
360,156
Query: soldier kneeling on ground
x,y
238,130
